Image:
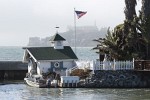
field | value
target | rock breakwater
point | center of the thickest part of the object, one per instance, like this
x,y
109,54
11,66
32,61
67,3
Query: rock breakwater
x,y
118,79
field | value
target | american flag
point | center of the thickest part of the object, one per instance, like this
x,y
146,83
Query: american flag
x,y
80,13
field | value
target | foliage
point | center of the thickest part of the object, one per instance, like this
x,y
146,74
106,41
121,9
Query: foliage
x,y
130,9
130,39
120,43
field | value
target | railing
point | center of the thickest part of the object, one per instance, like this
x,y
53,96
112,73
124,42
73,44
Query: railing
x,y
69,81
142,65
106,65
114,65
68,71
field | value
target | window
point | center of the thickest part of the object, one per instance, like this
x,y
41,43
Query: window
x,y
59,43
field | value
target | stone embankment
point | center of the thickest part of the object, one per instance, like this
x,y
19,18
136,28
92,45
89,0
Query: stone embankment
x,y
118,79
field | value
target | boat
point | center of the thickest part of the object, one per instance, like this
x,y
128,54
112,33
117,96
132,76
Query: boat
x,y
36,81
39,82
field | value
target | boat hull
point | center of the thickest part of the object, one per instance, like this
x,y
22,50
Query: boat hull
x,y
30,82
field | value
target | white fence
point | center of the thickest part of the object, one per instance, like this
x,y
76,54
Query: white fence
x,y
106,65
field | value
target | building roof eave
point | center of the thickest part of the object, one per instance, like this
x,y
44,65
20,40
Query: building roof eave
x,y
57,60
31,55
49,53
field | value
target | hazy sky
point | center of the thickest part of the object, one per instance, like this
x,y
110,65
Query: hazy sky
x,y
21,19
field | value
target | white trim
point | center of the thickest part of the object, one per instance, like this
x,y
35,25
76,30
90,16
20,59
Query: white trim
x,y
31,55
56,64
24,56
59,60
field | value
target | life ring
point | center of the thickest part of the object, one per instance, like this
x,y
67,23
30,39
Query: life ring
x,y
56,64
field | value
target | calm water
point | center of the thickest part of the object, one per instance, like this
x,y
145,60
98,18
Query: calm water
x,y
24,92
16,53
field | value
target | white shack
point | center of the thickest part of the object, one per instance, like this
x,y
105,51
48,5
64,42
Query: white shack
x,y
57,58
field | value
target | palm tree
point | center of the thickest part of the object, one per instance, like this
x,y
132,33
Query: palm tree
x,y
146,8
145,25
132,38
114,44
130,9
119,43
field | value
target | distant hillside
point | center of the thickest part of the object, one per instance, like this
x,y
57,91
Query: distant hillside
x,y
84,37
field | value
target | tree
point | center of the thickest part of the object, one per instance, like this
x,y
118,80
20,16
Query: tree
x,y
132,38
124,42
146,8
145,25
130,9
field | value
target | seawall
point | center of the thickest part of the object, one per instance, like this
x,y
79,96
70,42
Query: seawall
x,y
118,79
16,70
12,70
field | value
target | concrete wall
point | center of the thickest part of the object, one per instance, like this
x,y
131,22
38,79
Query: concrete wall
x,y
12,75
13,70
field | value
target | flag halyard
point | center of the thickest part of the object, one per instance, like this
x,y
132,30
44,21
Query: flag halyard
x,y
80,13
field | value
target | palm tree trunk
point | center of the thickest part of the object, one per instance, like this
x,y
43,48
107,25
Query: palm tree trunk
x,y
146,20
130,9
146,8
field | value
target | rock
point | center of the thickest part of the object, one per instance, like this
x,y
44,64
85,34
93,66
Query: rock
x,y
117,79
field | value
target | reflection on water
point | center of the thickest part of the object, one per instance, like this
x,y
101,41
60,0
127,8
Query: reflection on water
x,y
24,92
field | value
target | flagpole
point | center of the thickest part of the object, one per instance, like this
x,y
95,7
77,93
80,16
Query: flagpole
x,y
75,31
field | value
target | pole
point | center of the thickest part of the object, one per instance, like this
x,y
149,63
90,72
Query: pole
x,y
57,29
75,30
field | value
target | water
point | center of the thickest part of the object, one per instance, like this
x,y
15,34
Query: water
x,y
16,53
11,53
23,92
86,53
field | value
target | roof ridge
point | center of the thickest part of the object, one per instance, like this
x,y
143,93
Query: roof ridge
x,y
42,47
57,37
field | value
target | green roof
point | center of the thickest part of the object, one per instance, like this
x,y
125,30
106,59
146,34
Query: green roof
x,y
49,53
57,37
